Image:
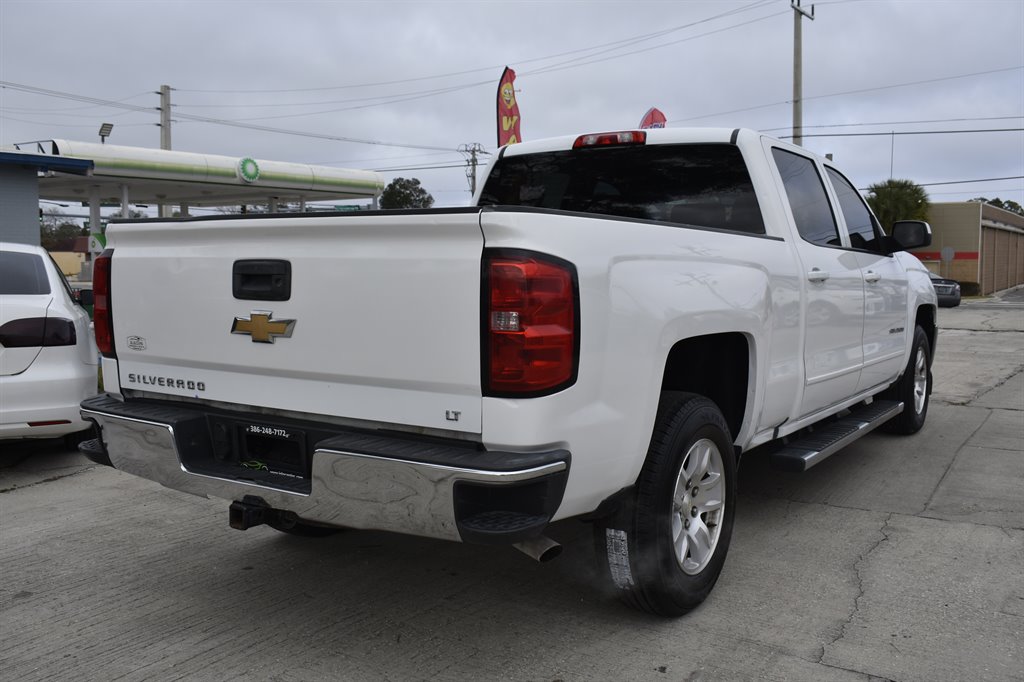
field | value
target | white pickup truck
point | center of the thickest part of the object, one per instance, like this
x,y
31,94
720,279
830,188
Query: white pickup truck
x,y
618,318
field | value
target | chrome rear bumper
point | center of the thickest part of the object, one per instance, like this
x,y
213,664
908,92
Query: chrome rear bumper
x,y
357,480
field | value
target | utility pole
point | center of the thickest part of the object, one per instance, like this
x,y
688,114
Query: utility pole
x,y
165,133
471,150
165,116
798,66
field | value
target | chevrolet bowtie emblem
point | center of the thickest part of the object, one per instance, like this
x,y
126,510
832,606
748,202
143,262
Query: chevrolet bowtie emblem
x,y
261,327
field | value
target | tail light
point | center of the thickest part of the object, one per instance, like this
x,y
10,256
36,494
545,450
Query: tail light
x,y
622,137
103,321
32,332
531,324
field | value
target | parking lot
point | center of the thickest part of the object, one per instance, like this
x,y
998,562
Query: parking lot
x,y
899,558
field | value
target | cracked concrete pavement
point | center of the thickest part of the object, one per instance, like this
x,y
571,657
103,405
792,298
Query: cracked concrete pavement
x,y
896,559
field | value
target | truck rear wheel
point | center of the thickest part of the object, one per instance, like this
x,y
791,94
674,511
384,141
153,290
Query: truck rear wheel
x,y
664,549
912,389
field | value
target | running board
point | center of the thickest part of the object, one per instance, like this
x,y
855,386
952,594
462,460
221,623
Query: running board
x,y
802,454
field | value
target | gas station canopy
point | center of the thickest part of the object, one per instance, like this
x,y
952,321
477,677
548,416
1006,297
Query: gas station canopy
x,y
158,176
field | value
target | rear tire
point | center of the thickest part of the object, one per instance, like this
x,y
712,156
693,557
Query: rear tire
x,y
665,547
912,389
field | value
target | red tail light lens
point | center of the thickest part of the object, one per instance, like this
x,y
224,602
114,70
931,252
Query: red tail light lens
x,y
531,338
103,321
622,137
33,332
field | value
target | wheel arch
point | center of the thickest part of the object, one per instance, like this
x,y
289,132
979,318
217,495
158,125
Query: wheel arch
x,y
718,367
925,319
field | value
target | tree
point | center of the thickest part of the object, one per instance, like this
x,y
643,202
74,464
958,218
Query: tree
x,y
132,213
57,232
402,193
894,200
1007,205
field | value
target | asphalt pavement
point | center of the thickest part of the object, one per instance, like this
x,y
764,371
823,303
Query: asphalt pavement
x,y
899,558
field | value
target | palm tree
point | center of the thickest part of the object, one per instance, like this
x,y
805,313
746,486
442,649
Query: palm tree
x,y
894,200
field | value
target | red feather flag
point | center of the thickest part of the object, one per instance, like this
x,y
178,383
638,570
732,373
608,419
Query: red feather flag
x,y
652,119
508,109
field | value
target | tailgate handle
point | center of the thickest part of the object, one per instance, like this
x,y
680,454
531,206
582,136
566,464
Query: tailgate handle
x,y
261,280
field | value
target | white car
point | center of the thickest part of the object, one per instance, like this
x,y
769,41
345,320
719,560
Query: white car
x,y
48,356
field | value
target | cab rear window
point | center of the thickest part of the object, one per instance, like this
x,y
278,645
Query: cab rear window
x,y
705,185
22,273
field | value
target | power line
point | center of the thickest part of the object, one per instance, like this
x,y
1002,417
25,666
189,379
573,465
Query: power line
x,y
300,133
205,119
889,123
106,114
576,61
968,182
411,168
568,65
73,125
631,40
29,110
388,99
407,97
397,98
959,182
985,190
243,124
853,92
375,98
912,132
349,163
77,98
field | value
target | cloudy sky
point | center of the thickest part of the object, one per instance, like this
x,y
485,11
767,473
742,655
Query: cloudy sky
x,y
419,79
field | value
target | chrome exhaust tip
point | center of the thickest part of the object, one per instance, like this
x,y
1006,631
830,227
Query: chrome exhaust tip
x,y
541,548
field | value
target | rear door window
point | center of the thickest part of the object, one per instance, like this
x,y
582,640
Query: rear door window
x,y
22,273
705,185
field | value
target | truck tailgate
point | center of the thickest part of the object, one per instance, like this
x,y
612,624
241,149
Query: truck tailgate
x,y
382,321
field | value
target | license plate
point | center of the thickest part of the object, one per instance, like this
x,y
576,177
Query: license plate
x,y
273,449
273,431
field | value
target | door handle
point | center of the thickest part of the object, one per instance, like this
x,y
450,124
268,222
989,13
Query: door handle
x,y
871,276
817,275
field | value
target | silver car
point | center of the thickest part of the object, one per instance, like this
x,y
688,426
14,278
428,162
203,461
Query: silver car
x,y
947,291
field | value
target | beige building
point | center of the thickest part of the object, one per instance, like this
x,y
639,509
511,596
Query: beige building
x,y
986,245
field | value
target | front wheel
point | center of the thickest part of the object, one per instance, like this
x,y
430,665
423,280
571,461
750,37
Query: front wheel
x,y
912,389
665,548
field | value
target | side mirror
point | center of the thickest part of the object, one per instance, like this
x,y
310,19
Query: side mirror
x,y
84,297
912,234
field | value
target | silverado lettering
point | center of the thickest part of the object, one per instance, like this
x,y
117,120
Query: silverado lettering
x,y
169,382
619,321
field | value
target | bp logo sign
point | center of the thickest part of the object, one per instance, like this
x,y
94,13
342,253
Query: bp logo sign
x,y
248,170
